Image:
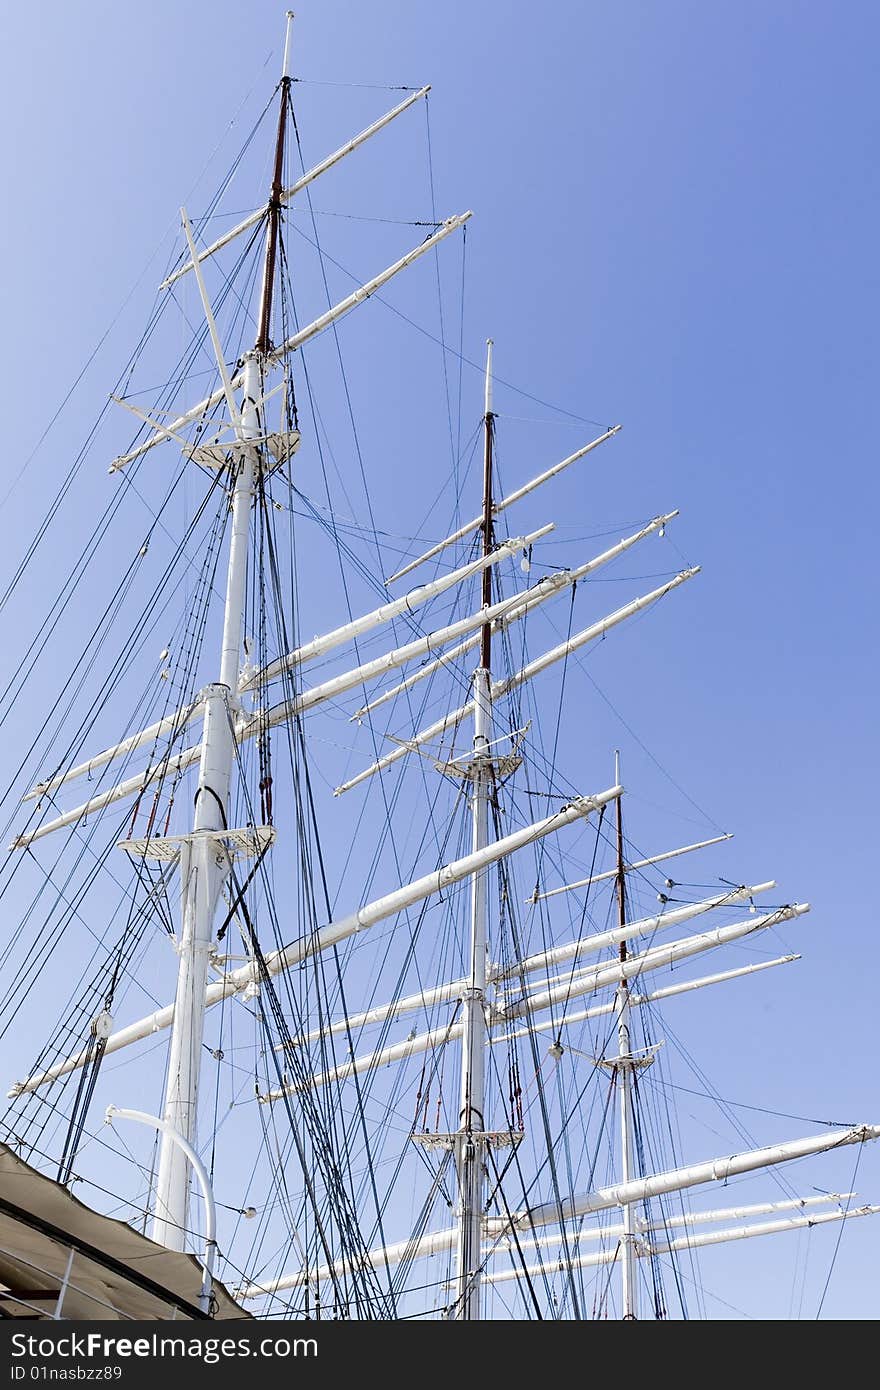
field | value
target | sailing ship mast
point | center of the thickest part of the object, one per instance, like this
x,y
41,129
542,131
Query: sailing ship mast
x,y
498,1004
206,855
623,1073
473,1137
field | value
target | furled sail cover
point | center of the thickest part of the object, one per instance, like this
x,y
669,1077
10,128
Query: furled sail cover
x,y
116,1273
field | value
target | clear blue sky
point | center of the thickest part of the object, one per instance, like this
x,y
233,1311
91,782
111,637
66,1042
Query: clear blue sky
x,y
676,228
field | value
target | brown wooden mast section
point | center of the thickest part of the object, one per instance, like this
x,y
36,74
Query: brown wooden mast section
x,y
621,879
274,210
486,597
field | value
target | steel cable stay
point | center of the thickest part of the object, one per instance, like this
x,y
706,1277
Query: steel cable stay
x,y
598,1149
338,346
67,1028
740,1129
551,760
57,610
544,1110
497,1194
325,1146
279,615
293,1128
132,643
307,385
71,475
120,665
84,1095
658,1298
336,538
676,1150
441,324
447,347
518,954
227,178
648,1134
572,1242
97,1042
378,1230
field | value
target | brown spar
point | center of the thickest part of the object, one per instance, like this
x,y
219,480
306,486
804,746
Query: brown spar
x,y
621,877
486,631
262,343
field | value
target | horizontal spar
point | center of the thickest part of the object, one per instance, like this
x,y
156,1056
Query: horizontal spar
x,y
303,336
172,723
504,610
635,1000
422,888
627,868
318,646
612,973
395,1052
521,605
358,296
515,608
603,1199
505,502
331,935
380,1013
174,428
386,612
131,787
389,661
683,1218
439,1037
300,184
504,687
589,634
648,1249
641,926
250,726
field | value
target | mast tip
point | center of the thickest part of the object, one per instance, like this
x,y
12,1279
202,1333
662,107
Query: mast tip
x,y
284,64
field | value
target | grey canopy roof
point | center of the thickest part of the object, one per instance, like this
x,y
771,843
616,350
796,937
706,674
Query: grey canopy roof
x,y
116,1273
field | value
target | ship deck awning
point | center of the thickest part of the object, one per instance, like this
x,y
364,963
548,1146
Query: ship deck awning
x,y
50,1241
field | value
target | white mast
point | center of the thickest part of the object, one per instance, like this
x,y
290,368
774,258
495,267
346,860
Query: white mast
x,y
471,1140
204,860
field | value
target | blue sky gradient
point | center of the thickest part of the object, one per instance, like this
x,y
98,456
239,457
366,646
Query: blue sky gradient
x,y
676,227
